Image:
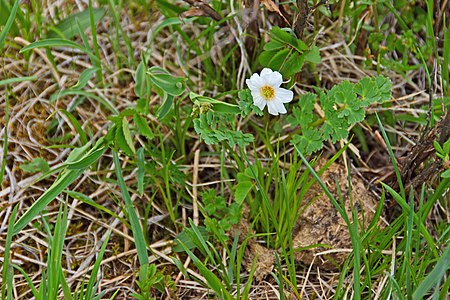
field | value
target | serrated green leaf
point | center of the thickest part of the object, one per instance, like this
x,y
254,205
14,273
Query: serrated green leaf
x,y
309,141
365,88
38,164
356,116
246,102
265,57
384,85
293,65
201,127
274,60
284,36
68,27
280,35
273,45
251,172
238,138
343,93
206,126
302,115
247,106
334,127
143,127
313,55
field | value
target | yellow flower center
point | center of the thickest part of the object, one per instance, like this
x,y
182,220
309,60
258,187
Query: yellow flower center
x,y
267,92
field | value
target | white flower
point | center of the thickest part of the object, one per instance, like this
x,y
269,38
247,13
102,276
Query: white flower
x,y
266,89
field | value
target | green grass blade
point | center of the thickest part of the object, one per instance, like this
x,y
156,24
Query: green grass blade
x,y
136,227
87,160
167,22
82,197
446,62
141,170
213,281
27,278
263,194
279,279
67,177
352,228
17,79
65,287
90,287
439,272
5,139
340,209
431,38
5,13
43,291
84,78
119,29
76,124
232,264
248,285
93,22
392,156
54,42
200,241
67,28
7,274
55,253
8,24
406,209
105,102
78,157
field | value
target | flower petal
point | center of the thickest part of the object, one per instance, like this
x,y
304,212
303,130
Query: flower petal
x,y
284,95
266,72
275,79
250,84
259,101
255,82
280,107
272,108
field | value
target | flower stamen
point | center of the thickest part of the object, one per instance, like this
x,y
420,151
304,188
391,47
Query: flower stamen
x,y
267,92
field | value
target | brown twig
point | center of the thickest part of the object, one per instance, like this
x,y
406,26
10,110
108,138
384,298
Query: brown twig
x,y
205,8
301,17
